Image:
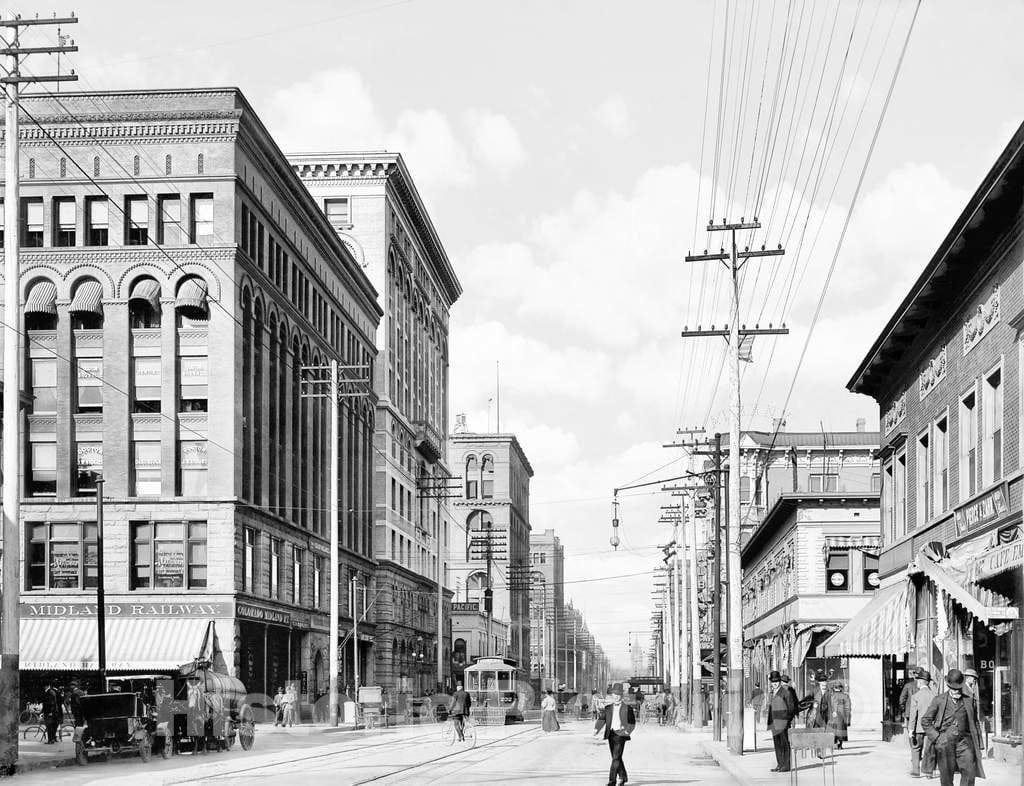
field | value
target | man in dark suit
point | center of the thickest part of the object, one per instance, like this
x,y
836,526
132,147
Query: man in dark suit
x,y
950,723
781,711
459,709
618,722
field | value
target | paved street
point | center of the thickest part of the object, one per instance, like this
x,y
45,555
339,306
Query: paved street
x,y
512,754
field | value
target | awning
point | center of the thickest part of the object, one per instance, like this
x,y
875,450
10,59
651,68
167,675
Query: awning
x,y
191,300
88,298
870,544
880,628
61,644
984,604
42,299
148,290
805,640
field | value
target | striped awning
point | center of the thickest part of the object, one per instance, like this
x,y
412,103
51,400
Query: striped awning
x,y
880,628
985,604
148,290
88,299
192,299
42,299
61,644
870,544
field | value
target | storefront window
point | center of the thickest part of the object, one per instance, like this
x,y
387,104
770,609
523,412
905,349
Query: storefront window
x,y
166,555
837,572
62,555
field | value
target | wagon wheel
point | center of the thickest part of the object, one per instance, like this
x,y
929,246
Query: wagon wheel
x,y
246,734
80,755
146,747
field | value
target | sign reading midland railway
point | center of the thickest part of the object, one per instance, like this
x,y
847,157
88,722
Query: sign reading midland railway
x,y
79,610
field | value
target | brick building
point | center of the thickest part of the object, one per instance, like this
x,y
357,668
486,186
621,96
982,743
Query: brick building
x,y
176,276
547,605
373,205
946,373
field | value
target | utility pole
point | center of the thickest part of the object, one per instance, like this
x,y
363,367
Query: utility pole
x,y
735,260
334,383
354,595
101,603
716,642
10,682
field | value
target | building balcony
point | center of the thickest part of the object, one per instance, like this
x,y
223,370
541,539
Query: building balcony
x,y
428,441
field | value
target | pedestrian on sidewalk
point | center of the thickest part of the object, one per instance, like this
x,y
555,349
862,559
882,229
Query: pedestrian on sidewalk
x,y
75,703
950,724
757,702
291,705
921,752
839,713
53,711
618,722
971,689
788,683
910,686
458,709
549,713
781,712
817,704
279,699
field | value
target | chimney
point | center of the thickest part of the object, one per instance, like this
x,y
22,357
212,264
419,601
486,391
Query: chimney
x,y
778,425
862,425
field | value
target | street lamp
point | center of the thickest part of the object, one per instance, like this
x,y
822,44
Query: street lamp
x,y
614,539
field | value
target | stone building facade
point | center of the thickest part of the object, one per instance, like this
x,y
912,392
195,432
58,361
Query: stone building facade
x,y
547,604
373,205
176,276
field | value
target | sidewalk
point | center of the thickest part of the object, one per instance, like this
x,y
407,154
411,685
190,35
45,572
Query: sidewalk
x,y
864,760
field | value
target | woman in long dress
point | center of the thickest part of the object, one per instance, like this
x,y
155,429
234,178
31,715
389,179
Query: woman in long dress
x,y
839,710
548,713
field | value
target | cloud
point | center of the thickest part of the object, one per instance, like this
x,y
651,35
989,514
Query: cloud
x,y
496,142
431,149
613,114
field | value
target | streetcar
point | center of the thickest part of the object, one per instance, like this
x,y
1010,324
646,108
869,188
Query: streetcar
x,y
494,687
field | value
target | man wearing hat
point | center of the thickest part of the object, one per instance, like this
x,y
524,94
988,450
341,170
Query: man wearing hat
x,y
618,722
781,711
816,703
971,689
920,745
951,726
909,688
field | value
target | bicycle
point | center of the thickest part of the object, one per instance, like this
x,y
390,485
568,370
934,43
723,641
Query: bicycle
x,y
449,737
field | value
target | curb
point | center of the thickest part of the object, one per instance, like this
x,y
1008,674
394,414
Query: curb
x,y
725,761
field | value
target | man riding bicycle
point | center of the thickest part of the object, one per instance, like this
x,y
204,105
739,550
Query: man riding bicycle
x,y
458,708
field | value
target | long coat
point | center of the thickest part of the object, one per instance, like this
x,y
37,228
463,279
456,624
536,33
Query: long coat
x,y
817,705
839,710
937,713
781,710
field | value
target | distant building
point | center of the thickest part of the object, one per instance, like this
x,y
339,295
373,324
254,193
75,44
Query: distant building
x,y
493,511
376,211
547,604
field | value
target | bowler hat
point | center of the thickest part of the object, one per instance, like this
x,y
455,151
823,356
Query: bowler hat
x,y
617,688
924,674
971,673
955,678
819,676
785,678
774,677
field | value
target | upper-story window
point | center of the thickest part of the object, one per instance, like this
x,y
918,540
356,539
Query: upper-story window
x,y
472,484
923,470
168,554
191,303
168,228
136,228
144,304
870,572
62,555
968,452
992,425
940,465
201,230
65,219
837,572
338,212
824,482
487,477
32,228
96,226
86,308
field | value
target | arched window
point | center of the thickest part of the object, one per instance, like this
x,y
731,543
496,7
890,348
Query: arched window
x,y
472,485
144,304
86,308
296,500
192,303
478,525
459,652
475,586
487,477
41,306
257,405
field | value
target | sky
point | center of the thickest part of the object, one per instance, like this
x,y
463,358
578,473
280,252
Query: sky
x,y
567,155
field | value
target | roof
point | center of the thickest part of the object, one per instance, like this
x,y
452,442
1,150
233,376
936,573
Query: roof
x,y
808,439
787,504
465,436
960,260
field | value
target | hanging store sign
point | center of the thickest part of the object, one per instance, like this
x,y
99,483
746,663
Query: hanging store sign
x,y
985,509
263,615
474,607
997,560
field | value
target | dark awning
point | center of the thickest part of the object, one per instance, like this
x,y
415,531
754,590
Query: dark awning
x,y
192,299
147,290
88,299
42,299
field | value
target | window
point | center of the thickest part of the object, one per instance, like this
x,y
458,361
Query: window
x,y
744,489
136,228
968,451
472,485
43,480
876,481
888,510
837,572
338,213
249,559
923,469
275,567
318,575
296,574
168,229
202,219
487,477
44,385
870,572
62,555
992,423
940,465
96,221
3,221
90,467
147,384
193,388
32,230
147,468
899,494
824,482
90,384
192,463
168,554
65,218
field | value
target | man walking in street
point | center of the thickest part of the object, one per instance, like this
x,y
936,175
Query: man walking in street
x,y
618,722
920,745
279,702
458,708
781,711
951,727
